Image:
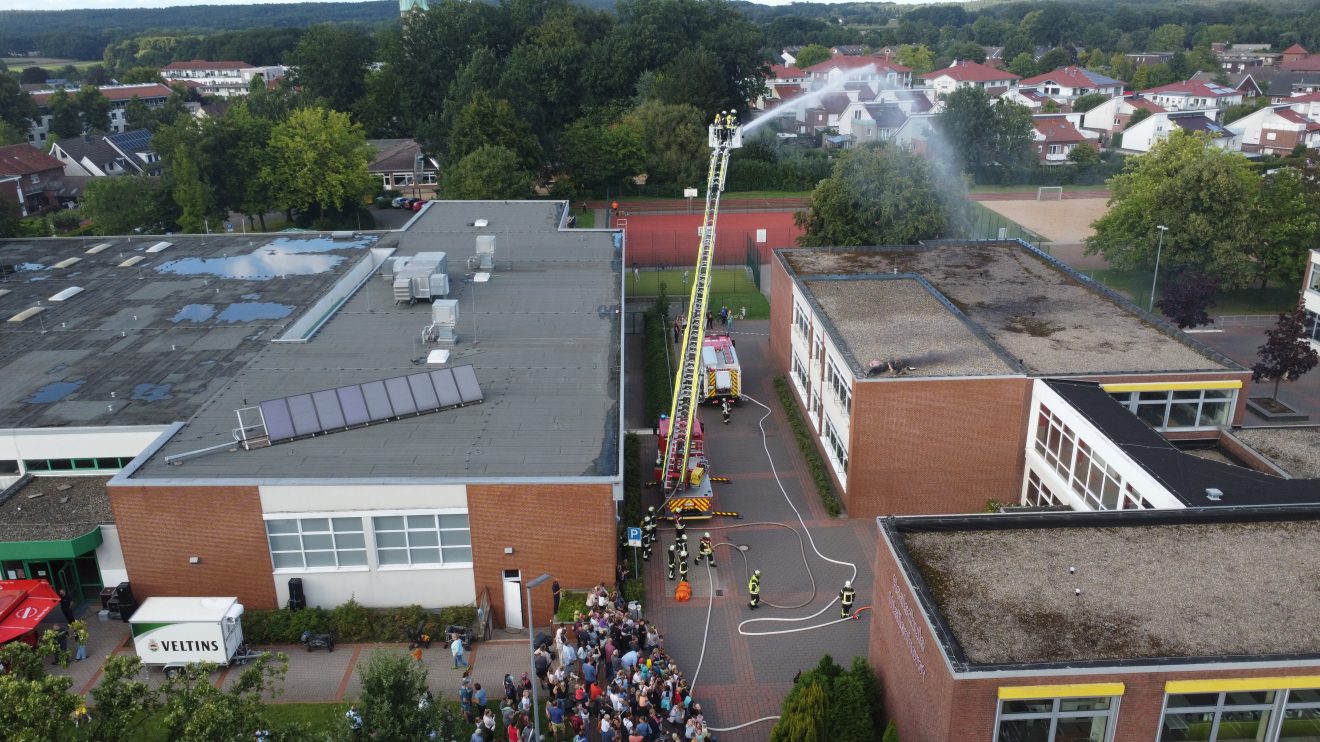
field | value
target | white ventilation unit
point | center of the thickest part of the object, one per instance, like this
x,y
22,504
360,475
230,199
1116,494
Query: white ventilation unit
x,y
159,247
26,313
486,252
132,261
444,320
481,223
94,249
66,262
70,292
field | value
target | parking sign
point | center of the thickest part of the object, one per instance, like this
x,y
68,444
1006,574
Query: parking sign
x,y
634,536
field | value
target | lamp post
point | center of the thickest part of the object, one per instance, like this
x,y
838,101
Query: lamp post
x,y
1158,249
531,654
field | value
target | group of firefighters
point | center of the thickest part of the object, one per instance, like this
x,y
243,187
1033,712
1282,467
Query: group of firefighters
x,y
678,560
725,124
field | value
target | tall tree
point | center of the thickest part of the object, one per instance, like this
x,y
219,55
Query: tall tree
x,y
488,172
194,710
123,702
330,63
392,685
674,140
93,109
64,120
127,203
1285,226
1168,38
877,196
811,54
486,121
1204,196
35,706
317,162
595,157
1187,298
1286,354
918,57
16,106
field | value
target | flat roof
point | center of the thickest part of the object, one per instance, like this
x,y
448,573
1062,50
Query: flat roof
x,y
1292,449
1186,476
901,319
543,335
1028,306
53,508
1174,586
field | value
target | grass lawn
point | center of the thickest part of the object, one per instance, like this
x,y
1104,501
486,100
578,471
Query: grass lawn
x,y
586,218
316,719
1136,286
731,287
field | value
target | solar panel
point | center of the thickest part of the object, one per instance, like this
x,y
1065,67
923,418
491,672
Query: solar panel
x,y
353,404
303,410
378,401
446,387
279,425
468,388
423,392
400,396
327,408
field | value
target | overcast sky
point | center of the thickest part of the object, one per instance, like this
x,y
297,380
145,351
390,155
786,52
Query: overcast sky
x,y
72,4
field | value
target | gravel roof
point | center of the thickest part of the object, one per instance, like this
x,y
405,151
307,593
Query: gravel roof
x,y
54,509
899,319
1293,449
1036,311
1216,589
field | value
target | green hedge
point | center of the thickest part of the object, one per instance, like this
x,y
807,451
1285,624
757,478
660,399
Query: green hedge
x,y
830,702
806,443
571,602
655,369
352,622
635,587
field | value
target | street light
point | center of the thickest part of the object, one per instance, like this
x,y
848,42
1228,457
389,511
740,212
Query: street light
x,y
1158,249
531,653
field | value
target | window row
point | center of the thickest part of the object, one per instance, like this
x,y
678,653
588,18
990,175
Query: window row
x,y
1039,495
1175,410
800,373
1056,719
841,385
399,540
1259,716
1086,472
801,320
837,447
101,464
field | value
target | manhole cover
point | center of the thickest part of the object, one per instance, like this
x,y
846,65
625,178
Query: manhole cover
x,y
719,593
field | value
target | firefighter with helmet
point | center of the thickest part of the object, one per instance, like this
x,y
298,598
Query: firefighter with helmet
x,y
680,527
754,590
648,533
672,556
704,550
682,565
846,597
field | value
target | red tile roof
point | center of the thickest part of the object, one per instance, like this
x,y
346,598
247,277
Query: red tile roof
x,y
24,159
1308,98
1296,49
1145,104
785,72
1072,77
852,63
1057,129
201,64
1309,63
118,92
968,71
1287,114
785,91
1194,87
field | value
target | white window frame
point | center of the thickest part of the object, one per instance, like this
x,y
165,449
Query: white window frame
x,y
1055,714
302,532
836,446
408,547
801,376
840,385
801,320
1134,402
1277,709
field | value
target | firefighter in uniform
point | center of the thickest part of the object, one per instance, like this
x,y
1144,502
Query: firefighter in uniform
x,y
682,565
671,561
680,528
705,551
730,123
648,533
754,590
846,597
724,409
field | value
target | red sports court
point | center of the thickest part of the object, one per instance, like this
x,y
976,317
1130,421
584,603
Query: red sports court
x,y
670,240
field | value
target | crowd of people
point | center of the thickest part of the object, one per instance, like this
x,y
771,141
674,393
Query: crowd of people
x,y
605,676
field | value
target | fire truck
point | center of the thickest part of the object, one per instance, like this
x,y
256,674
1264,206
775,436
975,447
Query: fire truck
x,y
721,377
707,367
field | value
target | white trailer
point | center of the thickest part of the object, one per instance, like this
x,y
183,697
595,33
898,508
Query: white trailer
x,y
174,632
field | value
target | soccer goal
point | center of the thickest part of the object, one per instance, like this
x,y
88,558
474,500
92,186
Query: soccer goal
x,y
1049,193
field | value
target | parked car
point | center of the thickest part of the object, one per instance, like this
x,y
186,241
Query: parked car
x,y
398,202
418,203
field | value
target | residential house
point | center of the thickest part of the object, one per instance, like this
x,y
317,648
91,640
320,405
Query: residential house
x,y
848,50
994,57
1275,130
1251,84
401,165
789,54
30,178
1311,299
1029,97
96,156
871,121
916,133
1148,59
1192,95
1287,84
1243,57
826,114
784,84
225,79
1054,137
1307,105
1067,84
1143,135
877,72
153,94
966,73
1114,115
1297,59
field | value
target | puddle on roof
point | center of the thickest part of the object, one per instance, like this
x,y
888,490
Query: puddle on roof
x,y
54,392
29,267
248,311
279,257
151,392
194,313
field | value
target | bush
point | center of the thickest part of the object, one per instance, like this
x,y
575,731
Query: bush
x,y
828,702
352,622
891,733
570,603
819,473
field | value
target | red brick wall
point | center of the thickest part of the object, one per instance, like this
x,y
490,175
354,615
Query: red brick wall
x,y
781,317
565,530
929,705
161,527
928,447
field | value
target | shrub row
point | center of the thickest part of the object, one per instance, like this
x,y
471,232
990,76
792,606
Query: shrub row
x,y
819,474
655,367
352,622
829,702
634,588
1109,165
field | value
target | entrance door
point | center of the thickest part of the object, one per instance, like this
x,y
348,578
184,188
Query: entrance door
x,y
513,615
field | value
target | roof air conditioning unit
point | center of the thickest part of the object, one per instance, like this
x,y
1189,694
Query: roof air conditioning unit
x,y
486,252
444,320
1214,494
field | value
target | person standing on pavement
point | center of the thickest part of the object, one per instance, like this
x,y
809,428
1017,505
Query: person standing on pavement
x,y
465,700
456,648
682,566
554,593
725,410
705,549
80,638
754,590
846,597
672,560
66,606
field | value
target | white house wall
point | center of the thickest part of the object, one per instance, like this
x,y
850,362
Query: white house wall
x,y
1129,471
301,498
76,443
110,557
828,406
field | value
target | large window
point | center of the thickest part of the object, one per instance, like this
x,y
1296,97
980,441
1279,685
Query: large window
x,y
1090,477
841,386
1180,409
1312,321
800,374
1039,495
801,323
837,447
1230,716
422,539
1089,719
312,543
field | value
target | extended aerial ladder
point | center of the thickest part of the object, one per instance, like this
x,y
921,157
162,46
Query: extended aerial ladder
x,y
684,476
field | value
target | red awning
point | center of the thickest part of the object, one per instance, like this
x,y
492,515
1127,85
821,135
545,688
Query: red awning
x,y
23,605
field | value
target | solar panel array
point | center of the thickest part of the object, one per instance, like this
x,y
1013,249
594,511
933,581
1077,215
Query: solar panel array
x,y
329,410
137,140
